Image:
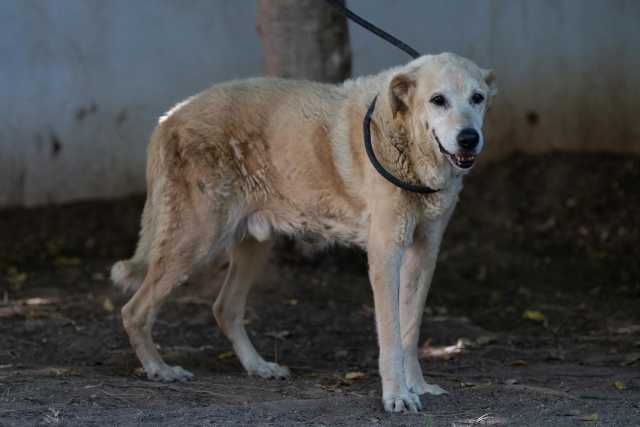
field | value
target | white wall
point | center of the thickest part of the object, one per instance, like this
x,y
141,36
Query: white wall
x,y
82,81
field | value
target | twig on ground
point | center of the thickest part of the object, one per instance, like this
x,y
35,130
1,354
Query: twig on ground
x,y
577,375
596,397
207,392
455,376
31,410
94,385
310,369
541,390
121,398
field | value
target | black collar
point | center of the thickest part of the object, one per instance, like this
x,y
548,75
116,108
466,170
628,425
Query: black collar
x,y
366,127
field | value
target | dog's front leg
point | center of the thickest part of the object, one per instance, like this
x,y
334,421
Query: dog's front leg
x,y
385,251
418,266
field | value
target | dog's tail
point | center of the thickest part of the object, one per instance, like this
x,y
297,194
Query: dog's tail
x,y
128,274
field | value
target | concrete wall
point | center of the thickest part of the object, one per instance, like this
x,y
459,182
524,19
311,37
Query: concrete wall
x,y
83,81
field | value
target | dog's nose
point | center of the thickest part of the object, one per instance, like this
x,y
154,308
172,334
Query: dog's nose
x,y
468,138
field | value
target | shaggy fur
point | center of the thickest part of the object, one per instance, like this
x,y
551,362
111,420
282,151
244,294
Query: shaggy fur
x,y
246,160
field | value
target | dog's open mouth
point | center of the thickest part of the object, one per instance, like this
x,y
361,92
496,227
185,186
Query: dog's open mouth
x,y
461,159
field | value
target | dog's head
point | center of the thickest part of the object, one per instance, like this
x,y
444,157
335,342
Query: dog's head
x,y
441,100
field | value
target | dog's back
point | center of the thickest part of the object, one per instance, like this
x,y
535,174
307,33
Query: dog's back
x,y
257,152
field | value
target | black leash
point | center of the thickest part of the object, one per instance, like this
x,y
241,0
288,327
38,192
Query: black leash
x,y
375,30
366,124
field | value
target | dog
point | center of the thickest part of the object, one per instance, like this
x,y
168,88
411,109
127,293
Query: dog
x,y
246,160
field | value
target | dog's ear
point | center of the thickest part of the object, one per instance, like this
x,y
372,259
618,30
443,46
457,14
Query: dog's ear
x,y
489,77
401,90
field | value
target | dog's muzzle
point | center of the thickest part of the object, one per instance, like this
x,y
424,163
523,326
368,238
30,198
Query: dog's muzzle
x,y
463,158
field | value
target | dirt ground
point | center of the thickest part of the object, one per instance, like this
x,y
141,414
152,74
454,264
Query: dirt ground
x,y
533,318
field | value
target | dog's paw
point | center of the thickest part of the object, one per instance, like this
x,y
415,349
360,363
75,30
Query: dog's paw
x,y
168,374
266,369
420,386
402,402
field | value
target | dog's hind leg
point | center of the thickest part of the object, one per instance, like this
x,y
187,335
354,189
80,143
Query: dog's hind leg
x,y
139,314
248,258
169,268
183,240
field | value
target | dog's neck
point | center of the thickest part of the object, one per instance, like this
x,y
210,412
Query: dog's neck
x,y
411,160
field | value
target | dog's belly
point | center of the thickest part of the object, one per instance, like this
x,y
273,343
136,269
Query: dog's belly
x,y
318,227
322,231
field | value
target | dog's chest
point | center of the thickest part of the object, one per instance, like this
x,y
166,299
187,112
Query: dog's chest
x,y
434,206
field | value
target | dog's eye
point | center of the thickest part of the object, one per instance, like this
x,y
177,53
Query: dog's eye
x,y
438,100
477,98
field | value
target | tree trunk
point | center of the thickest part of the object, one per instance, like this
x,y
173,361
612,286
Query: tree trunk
x,y
304,39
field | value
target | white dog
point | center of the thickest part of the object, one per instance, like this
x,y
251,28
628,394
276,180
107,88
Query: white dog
x,y
243,161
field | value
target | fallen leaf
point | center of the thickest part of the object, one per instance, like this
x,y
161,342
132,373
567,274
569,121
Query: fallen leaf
x,y
330,387
619,385
535,315
293,301
226,355
40,301
108,305
590,417
355,375
519,363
